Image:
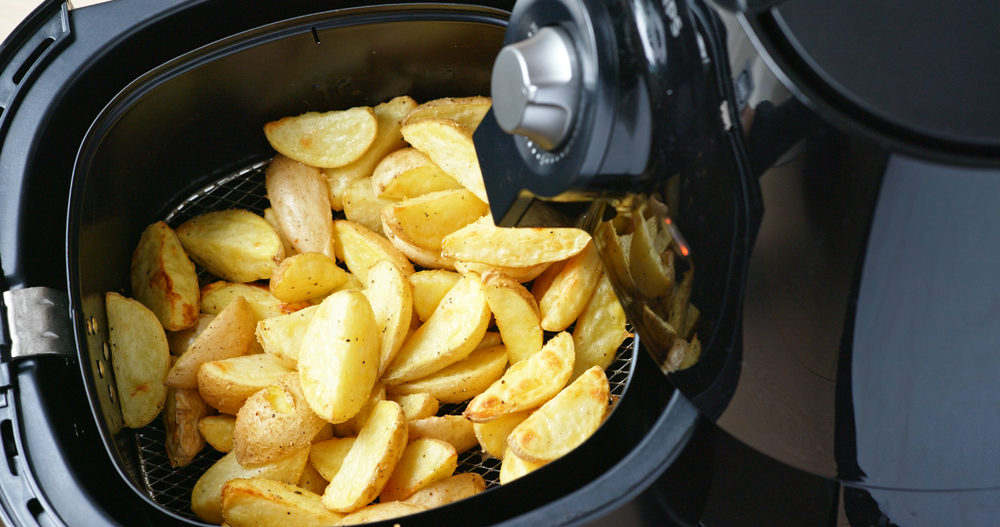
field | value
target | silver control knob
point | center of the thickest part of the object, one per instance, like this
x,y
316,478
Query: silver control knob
x,y
535,87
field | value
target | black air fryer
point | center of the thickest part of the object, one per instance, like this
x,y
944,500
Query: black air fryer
x,y
825,173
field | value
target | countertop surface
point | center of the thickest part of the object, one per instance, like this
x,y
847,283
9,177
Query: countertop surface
x,y
13,11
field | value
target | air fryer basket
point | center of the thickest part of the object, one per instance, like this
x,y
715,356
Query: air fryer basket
x,y
186,138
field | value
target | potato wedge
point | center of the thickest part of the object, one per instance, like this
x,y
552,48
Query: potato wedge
x,y
467,111
614,249
387,139
218,431
526,384
428,258
272,218
492,436
325,140
235,244
328,455
429,287
651,268
352,426
490,339
370,461
360,248
140,358
599,330
227,383
481,241
262,502
448,490
425,220
516,314
448,336
306,276
164,279
381,511
424,461
281,335
180,414
180,341
416,405
338,357
312,481
391,297
206,496
449,145
408,173
274,422
564,422
513,467
453,429
361,205
217,295
300,202
570,290
520,274
230,334
462,380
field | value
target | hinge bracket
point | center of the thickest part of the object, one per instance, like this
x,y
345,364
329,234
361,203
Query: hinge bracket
x,y
39,322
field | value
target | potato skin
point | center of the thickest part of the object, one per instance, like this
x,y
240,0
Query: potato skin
x,y
163,278
181,414
274,422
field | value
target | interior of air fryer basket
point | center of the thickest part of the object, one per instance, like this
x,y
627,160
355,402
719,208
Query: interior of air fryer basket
x,y
187,138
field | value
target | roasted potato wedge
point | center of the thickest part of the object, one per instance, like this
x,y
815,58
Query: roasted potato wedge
x,y
328,455
274,422
324,139
272,218
516,314
227,383
449,145
448,336
140,358
520,274
306,276
206,496
482,241
428,258
164,279
300,202
615,251
262,502
416,405
181,413
312,481
370,461
565,421
381,511
599,330
391,298
462,380
453,429
408,173
338,357
180,341
513,467
492,436
425,220
467,111
360,248
526,384
230,334
448,490
424,461
429,287
571,288
217,295
651,267
218,431
362,206
352,426
281,335
235,244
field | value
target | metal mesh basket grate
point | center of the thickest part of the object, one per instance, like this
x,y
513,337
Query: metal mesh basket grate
x,y
170,487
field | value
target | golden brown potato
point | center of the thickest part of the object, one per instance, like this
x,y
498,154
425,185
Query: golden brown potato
x,y
306,276
565,421
482,241
227,383
164,279
362,206
513,467
599,330
352,426
571,288
467,111
217,295
415,405
520,274
391,298
281,335
338,358
325,140
492,436
422,256
328,455
424,461
274,422
272,218
181,413
262,502
462,380
429,287
408,173
526,384
140,358
651,266
425,220
218,431
299,199
179,341
313,481
235,245
228,335
516,314
370,461
449,145
380,511
453,429
206,496
450,335
448,490
360,248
